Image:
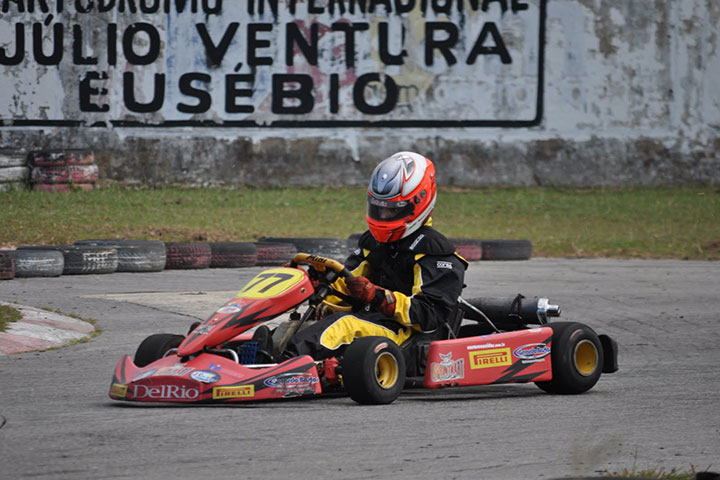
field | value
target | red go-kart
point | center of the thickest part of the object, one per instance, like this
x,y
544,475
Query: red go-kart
x,y
486,341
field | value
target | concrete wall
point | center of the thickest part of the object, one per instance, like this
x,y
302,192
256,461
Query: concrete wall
x,y
521,92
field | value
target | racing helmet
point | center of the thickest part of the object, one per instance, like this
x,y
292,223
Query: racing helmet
x,y
401,196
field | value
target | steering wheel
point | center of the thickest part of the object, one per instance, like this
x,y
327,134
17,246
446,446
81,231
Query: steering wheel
x,y
321,264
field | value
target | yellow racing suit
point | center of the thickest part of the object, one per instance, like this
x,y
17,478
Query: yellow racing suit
x,y
423,272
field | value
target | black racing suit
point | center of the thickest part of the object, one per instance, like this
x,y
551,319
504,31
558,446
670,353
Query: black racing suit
x,y
425,275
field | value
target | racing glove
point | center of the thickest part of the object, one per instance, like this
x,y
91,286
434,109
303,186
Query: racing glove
x,y
369,294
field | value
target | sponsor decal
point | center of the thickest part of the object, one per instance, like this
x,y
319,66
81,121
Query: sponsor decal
x,y
495,357
175,371
447,369
380,347
417,240
203,329
485,346
143,374
532,351
215,368
165,392
291,381
205,376
118,390
231,308
357,251
445,265
239,391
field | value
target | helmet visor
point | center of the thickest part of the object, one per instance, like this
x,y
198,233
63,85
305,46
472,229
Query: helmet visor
x,y
386,211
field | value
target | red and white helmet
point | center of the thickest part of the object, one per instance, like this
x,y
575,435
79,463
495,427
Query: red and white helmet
x,y
401,196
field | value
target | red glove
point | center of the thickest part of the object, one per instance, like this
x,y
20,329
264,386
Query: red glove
x,y
361,288
369,294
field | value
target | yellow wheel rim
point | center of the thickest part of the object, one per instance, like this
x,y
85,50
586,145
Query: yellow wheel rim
x,y
386,370
586,358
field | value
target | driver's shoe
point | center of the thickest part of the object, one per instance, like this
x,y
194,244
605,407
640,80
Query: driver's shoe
x,y
263,337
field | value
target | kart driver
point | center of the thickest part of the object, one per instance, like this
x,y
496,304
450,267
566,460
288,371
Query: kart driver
x,y
407,275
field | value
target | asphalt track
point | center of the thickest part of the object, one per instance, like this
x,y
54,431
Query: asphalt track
x,y
659,411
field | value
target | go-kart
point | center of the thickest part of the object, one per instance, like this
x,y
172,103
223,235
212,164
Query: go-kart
x,y
485,341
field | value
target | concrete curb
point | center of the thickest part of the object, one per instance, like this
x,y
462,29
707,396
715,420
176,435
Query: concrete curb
x,y
39,330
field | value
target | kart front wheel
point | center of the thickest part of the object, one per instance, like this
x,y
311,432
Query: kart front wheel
x,y
155,347
577,359
373,370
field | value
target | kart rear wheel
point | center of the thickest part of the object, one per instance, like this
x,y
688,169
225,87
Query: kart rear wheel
x,y
373,370
577,359
155,346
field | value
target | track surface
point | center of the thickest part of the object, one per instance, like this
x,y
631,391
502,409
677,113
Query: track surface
x,y
660,410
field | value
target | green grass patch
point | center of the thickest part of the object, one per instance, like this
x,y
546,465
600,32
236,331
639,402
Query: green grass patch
x,y
667,222
8,314
657,473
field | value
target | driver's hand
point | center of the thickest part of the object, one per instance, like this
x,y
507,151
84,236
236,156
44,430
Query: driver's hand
x,y
361,288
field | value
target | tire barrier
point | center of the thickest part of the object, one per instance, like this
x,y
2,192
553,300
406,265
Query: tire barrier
x,y
472,249
120,255
83,259
187,255
37,263
134,255
271,254
233,254
352,241
7,267
506,249
63,170
14,172
334,248
468,248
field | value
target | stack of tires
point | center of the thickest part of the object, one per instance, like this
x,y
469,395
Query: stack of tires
x,y
133,255
37,263
334,248
472,249
14,172
63,170
77,259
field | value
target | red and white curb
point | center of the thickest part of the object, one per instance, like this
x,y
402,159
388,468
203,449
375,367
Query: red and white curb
x,y
39,330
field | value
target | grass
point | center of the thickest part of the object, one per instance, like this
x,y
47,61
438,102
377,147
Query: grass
x,y
668,222
657,473
8,314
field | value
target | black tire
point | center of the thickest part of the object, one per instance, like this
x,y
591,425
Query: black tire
x,y
506,249
373,370
577,359
83,259
272,254
155,346
334,248
134,255
468,248
233,254
187,255
7,267
37,263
